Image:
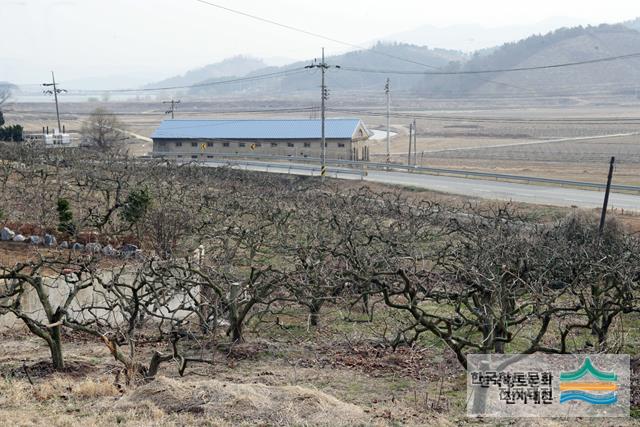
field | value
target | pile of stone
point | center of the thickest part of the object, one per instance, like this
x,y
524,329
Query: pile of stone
x,y
7,235
48,240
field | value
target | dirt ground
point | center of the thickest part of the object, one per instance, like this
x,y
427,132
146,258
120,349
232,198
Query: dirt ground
x,y
289,376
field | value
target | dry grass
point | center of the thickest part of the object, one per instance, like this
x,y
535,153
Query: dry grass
x,y
90,389
64,387
280,385
247,403
62,401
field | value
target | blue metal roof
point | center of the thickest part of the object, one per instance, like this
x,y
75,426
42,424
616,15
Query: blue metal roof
x,y
256,129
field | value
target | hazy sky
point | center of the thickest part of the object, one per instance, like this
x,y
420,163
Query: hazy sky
x,y
156,38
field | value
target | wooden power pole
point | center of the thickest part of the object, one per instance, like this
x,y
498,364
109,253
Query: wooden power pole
x,y
55,93
410,140
415,142
387,91
324,95
173,107
605,205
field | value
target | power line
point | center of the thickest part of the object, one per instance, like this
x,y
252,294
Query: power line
x,y
309,33
331,39
381,113
486,120
354,69
476,95
153,114
362,70
568,120
495,70
215,83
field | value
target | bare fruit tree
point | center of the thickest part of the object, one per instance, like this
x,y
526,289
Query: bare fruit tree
x,y
40,293
198,259
132,303
104,131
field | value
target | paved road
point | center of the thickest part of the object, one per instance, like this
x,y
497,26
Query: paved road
x,y
507,191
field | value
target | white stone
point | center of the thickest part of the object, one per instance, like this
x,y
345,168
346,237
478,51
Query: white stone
x,y
6,234
93,248
50,240
109,251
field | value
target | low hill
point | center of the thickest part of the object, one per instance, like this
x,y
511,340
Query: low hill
x,y
382,55
474,37
561,46
565,45
236,66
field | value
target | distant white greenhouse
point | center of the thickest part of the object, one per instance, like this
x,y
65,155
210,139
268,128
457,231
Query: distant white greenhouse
x,y
50,139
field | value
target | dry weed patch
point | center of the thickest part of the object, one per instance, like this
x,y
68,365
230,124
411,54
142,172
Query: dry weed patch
x,y
244,403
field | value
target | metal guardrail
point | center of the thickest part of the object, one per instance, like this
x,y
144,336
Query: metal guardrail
x,y
332,170
506,177
362,165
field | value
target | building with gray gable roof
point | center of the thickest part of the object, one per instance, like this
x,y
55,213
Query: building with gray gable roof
x,y
206,139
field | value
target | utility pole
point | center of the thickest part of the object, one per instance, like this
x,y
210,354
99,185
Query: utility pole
x,y
415,143
173,107
387,90
55,93
603,216
410,139
313,115
324,95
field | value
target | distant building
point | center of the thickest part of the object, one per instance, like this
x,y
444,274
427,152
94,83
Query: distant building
x,y
57,139
50,139
346,139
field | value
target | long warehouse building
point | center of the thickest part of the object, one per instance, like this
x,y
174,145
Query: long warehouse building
x,y
346,139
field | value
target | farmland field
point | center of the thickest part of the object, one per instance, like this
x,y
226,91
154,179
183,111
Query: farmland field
x,y
574,142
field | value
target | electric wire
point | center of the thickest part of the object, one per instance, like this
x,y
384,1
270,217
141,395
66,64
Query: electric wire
x,y
495,70
331,39
198,85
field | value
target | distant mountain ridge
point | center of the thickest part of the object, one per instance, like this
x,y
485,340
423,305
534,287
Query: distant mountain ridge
x,y
561,46
236,66
476,37
382,55
556,47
